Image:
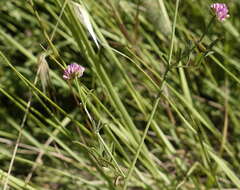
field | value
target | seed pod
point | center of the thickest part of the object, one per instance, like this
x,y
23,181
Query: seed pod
x,y
43,71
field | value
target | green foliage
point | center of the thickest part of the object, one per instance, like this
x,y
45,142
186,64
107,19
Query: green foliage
x,y
156,108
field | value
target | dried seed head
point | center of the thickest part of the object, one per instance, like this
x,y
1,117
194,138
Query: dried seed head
x,y
43,71
84,17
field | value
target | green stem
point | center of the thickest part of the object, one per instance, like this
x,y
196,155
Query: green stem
x,y
141,143
110,154
19,135
157,100
200,40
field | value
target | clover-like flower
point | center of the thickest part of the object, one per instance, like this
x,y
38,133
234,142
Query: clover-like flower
x,y
220,10
72,71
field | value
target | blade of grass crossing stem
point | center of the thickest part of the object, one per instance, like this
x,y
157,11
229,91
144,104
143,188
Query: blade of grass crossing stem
x,y
184,84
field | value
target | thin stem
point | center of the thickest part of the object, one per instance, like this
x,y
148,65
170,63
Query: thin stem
x,y
157,99
207,29
226,120
173,32
110,154
83,99
200,40
141,143
19,136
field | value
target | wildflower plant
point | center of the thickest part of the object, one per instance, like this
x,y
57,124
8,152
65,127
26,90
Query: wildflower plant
x,y
152,114
221,12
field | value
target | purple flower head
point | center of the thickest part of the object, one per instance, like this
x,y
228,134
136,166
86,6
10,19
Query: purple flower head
x,y
220,10
73,70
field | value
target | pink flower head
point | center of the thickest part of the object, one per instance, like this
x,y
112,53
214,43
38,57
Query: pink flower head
x,y
73,70
220,10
